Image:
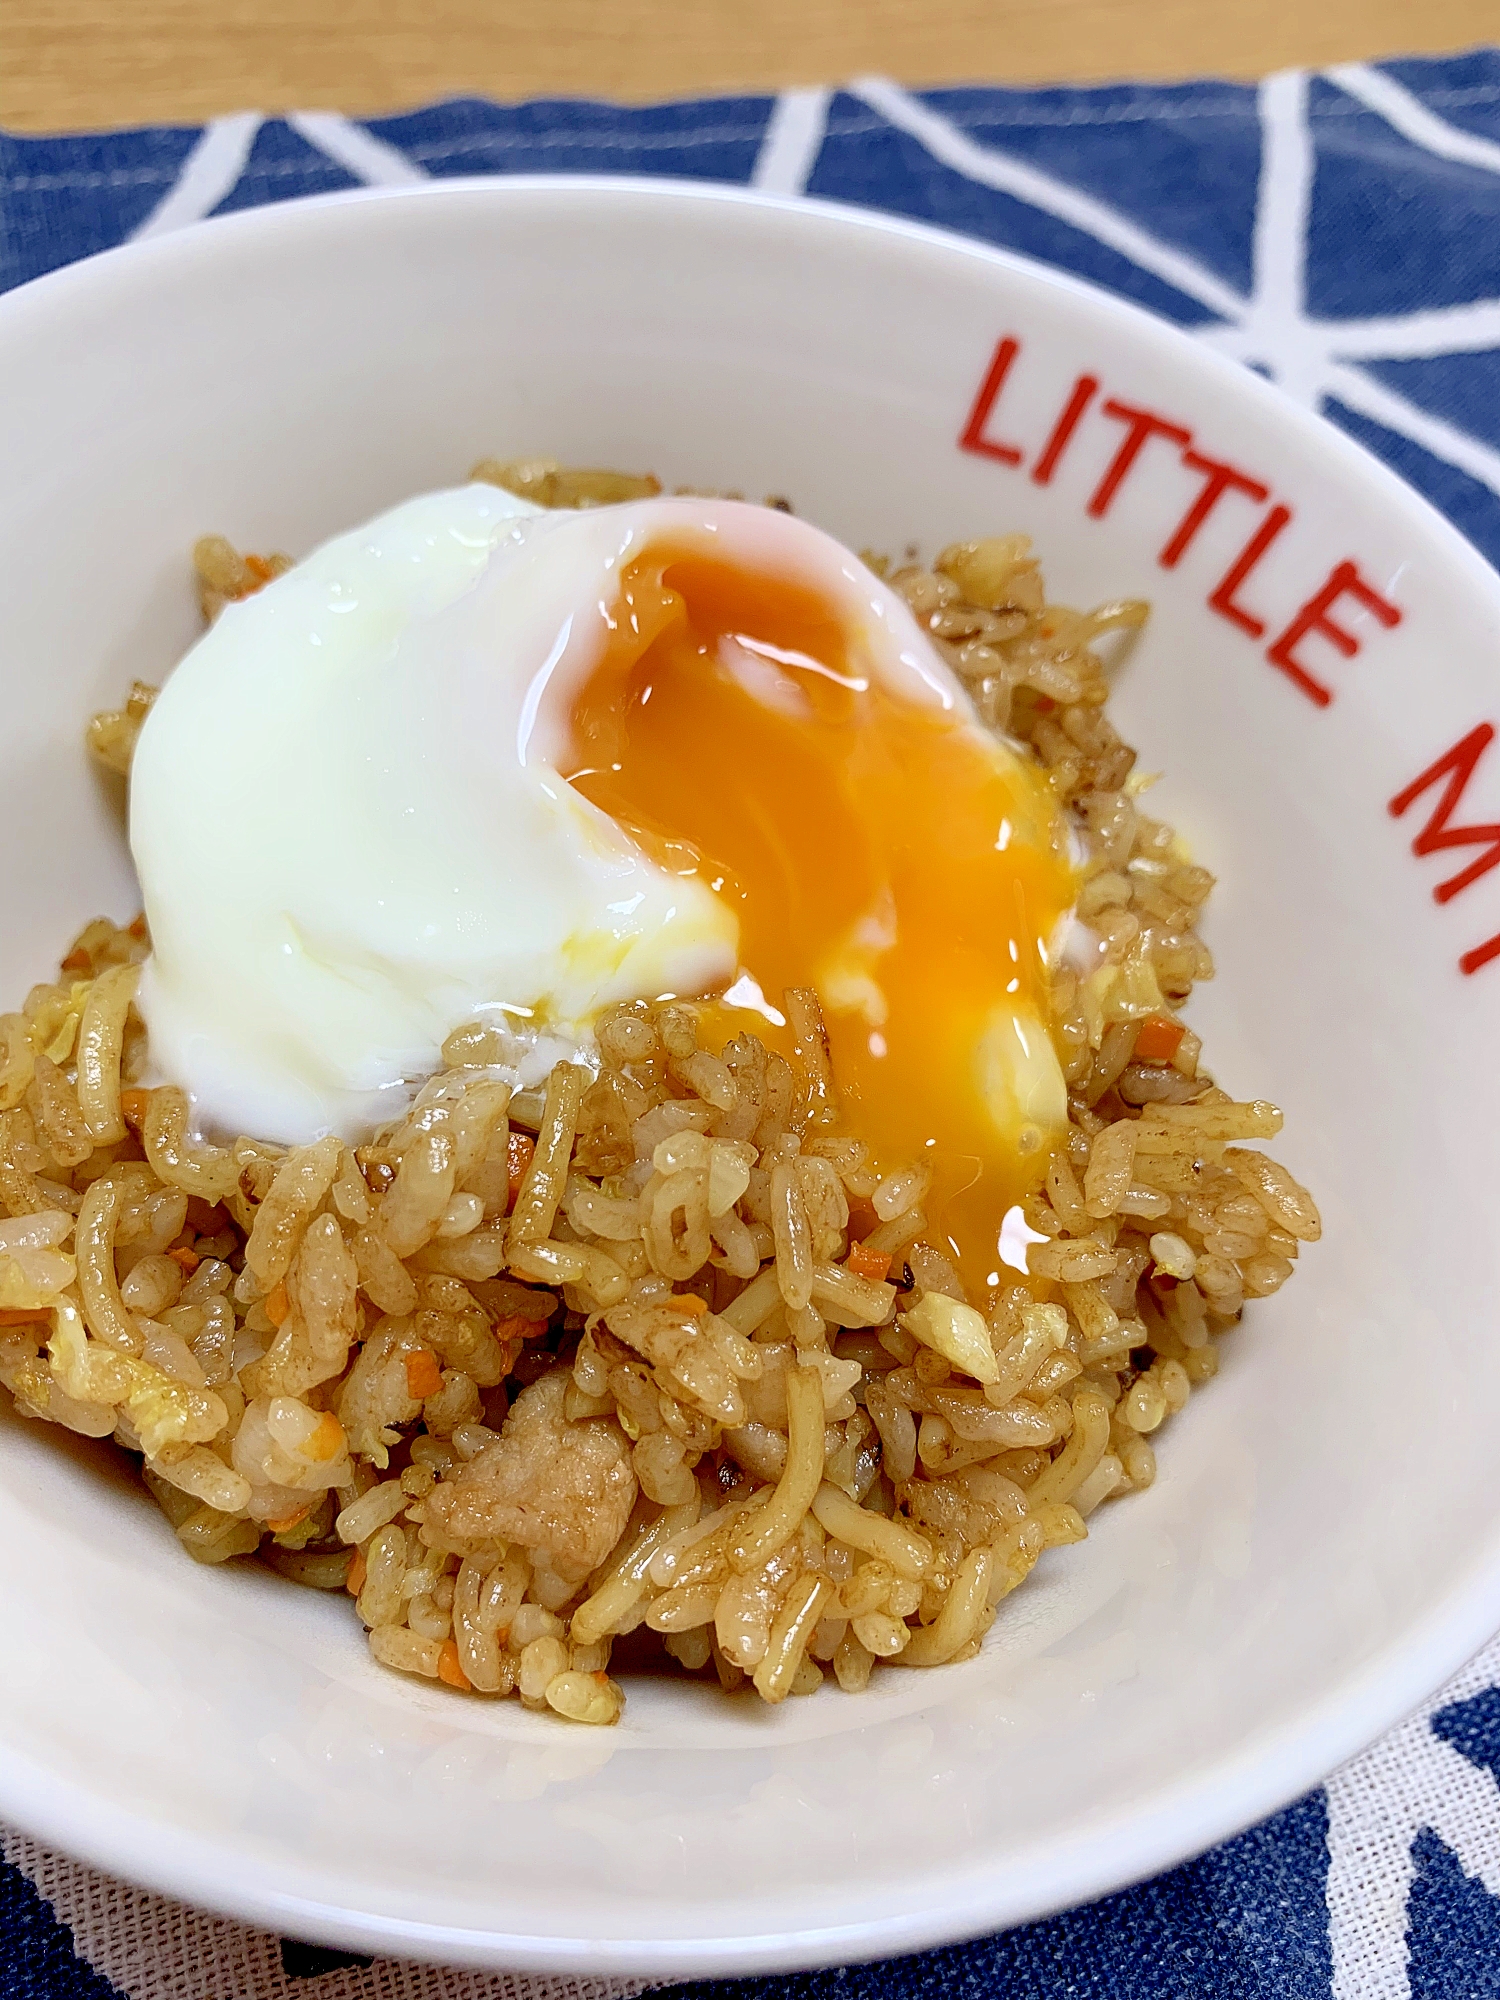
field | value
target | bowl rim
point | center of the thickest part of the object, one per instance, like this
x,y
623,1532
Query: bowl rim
x,y
1190,1815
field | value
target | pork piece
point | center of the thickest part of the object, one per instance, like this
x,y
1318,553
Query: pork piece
x,y
563,1490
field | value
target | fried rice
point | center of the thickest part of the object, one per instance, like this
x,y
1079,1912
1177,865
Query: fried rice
x,y
655,1358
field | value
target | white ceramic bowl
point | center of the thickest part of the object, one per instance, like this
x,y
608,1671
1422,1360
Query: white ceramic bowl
x,y
1322,1547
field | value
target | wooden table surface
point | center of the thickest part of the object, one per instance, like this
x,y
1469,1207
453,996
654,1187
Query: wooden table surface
x,y
80,63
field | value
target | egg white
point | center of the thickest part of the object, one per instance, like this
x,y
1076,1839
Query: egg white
x,y
349,824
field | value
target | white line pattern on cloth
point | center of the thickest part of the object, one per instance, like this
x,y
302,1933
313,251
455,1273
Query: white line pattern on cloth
x,y
793,141
1412,119
1375,400
152,1948
1302,355
211,171
1377,1806
948,143
354,149
1277,318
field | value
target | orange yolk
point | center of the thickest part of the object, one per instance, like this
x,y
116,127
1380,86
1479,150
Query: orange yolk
x,y
871,847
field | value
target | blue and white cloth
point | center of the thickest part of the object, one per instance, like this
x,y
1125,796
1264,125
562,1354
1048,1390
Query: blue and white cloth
x,y
1339,231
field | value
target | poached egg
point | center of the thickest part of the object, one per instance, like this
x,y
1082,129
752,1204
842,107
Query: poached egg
x,y
481,761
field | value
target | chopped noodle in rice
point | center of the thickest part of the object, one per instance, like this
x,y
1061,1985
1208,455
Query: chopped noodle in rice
x,y
653,1358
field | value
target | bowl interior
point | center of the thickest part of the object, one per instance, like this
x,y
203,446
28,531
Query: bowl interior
x,y
1320,1547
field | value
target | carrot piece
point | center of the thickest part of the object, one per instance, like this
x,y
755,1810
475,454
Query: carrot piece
x,y
284,1521
690,1303
519,1148
327,1440
77,960
862,1216
423,1375
137,925
868,1263
278,1302
134,1104
449,1669
188,1259
260,569
1158,1039
22,1315
354,1582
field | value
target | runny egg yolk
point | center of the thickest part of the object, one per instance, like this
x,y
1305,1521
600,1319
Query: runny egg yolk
x,y
885,852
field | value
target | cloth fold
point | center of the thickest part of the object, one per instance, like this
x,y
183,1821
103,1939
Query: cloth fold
x,y
1339,231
